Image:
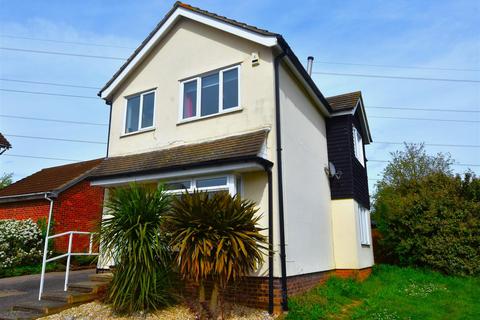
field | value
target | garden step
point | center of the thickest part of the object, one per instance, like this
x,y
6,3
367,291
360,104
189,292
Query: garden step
x,y
69,296
88,286
19,315
101,277
42,306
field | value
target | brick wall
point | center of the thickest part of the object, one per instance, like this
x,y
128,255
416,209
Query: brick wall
x,y
78,208
22,210
253,291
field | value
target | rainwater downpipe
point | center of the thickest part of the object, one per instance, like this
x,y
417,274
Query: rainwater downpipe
x,y
268,170
45,246
281,216
109,103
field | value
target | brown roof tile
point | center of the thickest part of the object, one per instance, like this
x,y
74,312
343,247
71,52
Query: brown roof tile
x,y
344,101
50,179
245,146
4,142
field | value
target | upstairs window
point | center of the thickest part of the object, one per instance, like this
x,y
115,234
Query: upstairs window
x,y
213,93
364,222
139,113
358,146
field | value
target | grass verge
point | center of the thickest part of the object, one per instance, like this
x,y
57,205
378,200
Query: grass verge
x,y
391,293
33,269
77,262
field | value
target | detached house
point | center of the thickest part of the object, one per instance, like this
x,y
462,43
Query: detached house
x,y
209,103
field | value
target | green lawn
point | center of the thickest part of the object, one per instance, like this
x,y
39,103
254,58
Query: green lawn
x,y
391,293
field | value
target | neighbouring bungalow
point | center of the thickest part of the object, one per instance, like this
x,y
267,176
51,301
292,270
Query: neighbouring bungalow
x,y
209,103
76,205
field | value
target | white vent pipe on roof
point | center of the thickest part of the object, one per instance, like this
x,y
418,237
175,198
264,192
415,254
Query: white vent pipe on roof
x,y
309,65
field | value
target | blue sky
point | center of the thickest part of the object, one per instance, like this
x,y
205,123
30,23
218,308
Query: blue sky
x,y
429,34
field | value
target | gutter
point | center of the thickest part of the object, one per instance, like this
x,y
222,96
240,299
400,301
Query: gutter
x,y
26,196
280,183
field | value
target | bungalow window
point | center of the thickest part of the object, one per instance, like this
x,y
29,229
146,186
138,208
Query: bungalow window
x,y
213,93
228,183
364,222
139,112
358,145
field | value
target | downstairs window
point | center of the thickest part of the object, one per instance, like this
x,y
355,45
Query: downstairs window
x,y
364,223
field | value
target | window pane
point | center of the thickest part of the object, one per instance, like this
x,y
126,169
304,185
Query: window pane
x,y
209,103
133,111
147,111
180,185
230,89
213,182
190,99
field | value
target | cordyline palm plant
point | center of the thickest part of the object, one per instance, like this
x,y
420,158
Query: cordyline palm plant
x,y
215,237
131,236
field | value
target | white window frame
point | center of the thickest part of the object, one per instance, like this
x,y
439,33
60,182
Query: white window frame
x,y
364,226
221,109
230,186
358,145
140,112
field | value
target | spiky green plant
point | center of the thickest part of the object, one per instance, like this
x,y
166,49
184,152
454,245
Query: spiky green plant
x,y
131,236
215,236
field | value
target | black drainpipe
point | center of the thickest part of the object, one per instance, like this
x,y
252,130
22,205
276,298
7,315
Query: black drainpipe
x,y
280,184
268,170
109,103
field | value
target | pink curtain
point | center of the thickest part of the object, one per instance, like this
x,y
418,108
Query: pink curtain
x,y
188,107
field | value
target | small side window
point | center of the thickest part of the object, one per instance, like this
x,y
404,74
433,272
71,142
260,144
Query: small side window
x,y
358,146
140,112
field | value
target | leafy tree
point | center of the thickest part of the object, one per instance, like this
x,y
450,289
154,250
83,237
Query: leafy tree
x,y
217,237
6,180
414,163
142,278
426,215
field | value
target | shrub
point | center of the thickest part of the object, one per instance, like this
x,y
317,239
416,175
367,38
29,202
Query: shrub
x,y
431,219
142,278
215,236
20,243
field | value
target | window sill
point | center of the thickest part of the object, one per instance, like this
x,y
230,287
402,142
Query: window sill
x,y
365,246
232,110
137,132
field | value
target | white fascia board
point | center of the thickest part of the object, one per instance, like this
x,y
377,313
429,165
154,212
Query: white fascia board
x,y
307,87
268,41
342,113
111,182
362,115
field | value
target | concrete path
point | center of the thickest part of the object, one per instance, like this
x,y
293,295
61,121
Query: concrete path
x,y
21,289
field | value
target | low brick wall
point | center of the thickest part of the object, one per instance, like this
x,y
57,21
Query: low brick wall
x,y
253,291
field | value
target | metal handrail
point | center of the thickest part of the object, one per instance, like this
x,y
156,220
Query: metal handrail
x,y
69,254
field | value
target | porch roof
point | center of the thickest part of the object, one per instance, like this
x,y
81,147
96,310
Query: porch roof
x,y
237,148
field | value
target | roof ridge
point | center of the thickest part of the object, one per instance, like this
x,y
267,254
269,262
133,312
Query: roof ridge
x,y
70,164
344,94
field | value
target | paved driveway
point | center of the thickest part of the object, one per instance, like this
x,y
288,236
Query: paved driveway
x,y
25,288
